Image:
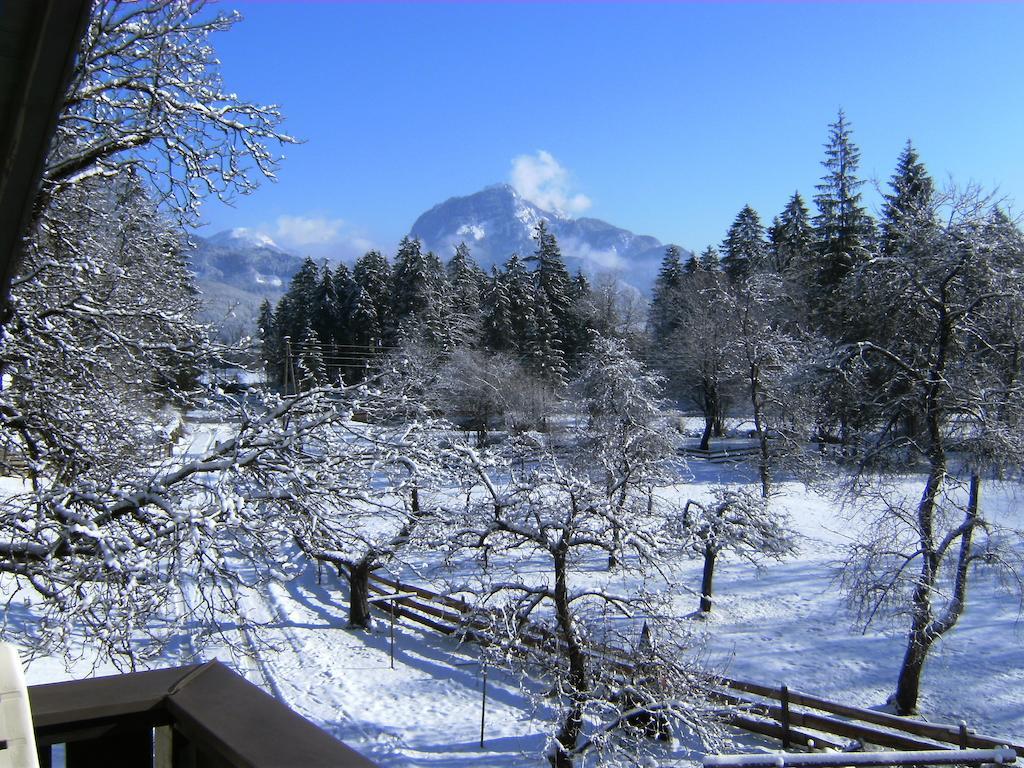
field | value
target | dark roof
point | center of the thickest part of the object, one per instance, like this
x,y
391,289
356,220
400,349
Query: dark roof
x,y
38,42
213,706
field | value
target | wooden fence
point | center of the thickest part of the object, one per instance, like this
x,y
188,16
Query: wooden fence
x,y
793,717
720,454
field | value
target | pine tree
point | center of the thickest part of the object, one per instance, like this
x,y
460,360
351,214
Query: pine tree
x,y
843,228
909,204
545,356
345,290
440,328
270,343
792,239
466,281
554,281
519,290
363,320
498,330
312,371
745,249
294,310
325,307
372,273
709,260
412,287
669,282
577,329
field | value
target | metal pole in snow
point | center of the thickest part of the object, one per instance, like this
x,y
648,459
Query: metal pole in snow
x,y
784,697
483,703
392,634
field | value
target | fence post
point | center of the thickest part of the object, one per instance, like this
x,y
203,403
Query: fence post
x,y
784,698
963,734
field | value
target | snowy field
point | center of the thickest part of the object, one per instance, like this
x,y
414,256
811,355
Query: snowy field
x,y
783,623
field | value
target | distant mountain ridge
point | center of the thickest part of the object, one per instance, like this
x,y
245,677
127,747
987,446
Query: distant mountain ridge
x,y
237,268
234,271
497,222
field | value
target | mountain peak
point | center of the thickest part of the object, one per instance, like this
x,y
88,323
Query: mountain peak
x,y
243,236
498,221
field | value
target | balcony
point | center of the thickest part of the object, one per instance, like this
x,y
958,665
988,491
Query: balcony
x,y
197,716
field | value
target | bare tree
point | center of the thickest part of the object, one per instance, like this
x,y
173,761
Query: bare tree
x,y
737,521
371,487
698,356
624,441
147,95
102,347
767,352
477,391
939,386
526,507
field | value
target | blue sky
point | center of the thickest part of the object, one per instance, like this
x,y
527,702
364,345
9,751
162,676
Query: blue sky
x,y
664,118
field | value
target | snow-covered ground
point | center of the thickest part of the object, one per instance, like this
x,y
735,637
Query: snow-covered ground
x,y
781,623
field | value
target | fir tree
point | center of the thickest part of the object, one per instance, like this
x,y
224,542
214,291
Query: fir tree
x,y
294,310
345,290
553,279
843,228
440,328
709,260
909,205
366,330
412,287
311,368
498,330
666,293
372,273
519,290
577,329
324,308
544,353
792,239
466,282
745,249
270,343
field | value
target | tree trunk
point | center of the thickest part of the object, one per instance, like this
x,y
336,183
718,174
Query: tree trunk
x,y
709,425
710,414
706,583
925,630
909,684
578,687
920,638
613,556
763,468
567,737
359,594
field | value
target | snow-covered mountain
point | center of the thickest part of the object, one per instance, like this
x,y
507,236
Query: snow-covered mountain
x,y
235,270
497,222
244,259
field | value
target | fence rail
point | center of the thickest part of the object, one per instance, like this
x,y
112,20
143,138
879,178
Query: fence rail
x,y
720,455
791,716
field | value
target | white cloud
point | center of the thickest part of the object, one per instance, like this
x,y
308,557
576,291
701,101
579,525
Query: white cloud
x,y
598,260
321,237
542,180
307,230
